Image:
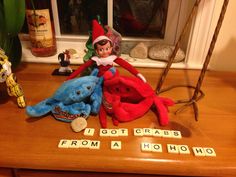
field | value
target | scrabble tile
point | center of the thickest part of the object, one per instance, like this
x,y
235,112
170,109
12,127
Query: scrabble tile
x,y
123,132
104,132
64,143
146,147
209,152
85,143
167,134
156,147
198,151
138,132
116,145
147,131
157,132
114,132
176,134
74,144
89,131
183,149
94,144
172,148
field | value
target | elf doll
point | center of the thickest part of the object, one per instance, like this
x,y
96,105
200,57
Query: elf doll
x,y
104,59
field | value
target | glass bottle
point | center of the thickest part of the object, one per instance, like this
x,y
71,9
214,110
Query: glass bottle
x,y
41,27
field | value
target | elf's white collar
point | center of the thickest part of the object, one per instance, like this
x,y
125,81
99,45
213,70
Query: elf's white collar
x,y
104,61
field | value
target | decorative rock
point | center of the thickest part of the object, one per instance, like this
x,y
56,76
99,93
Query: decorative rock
x,y
139,51
163,52
78,124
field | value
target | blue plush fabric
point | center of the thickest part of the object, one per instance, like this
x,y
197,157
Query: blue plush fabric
x,y
77,97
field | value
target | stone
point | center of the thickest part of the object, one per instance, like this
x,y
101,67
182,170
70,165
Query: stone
x,y
163,53
78,124
139,51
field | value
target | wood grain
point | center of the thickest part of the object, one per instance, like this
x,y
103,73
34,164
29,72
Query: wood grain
x,y
31,143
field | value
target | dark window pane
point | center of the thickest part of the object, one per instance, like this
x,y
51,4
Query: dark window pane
x,y
144,18
75,16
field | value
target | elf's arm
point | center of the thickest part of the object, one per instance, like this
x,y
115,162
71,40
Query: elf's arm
x,y
80,69
130,68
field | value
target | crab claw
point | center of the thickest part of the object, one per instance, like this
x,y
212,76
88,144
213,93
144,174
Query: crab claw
x,y
161,105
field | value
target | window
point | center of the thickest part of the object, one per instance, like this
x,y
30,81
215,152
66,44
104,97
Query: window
x,y
162,23
134,19
131,18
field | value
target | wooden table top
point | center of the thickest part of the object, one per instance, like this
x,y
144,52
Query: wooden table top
x,y
32,143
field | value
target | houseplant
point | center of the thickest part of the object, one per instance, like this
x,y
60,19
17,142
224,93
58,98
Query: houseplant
x,y
12,16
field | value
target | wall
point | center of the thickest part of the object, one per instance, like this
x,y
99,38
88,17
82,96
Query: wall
x,y
224,55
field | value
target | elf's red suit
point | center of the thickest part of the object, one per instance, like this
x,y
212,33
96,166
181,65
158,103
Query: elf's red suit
x,y
103,65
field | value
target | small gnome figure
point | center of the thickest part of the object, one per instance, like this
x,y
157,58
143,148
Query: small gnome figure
x,y
64,59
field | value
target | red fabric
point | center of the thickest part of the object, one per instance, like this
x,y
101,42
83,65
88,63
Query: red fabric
x,y
80,69
97,30
126,65
129,98
102,69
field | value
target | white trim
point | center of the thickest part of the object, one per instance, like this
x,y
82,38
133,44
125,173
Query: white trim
x,y
56,18
172,21
201,34
110,13
99,38
62,45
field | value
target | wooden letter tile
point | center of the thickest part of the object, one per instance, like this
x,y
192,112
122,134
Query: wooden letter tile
x,y
116,145
167,134
85,143
74,144
123,132
172,148
176,134
156,148
209,152
104,132
157,132
89,131
138,132
198,151
147,131
64,143
145,147
183,149
94,144
114,132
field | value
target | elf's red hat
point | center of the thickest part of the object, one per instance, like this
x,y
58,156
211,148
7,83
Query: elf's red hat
x,y
98,32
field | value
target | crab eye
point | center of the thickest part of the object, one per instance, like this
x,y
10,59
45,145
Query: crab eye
x,y
89,87
127,89
78,92
117,89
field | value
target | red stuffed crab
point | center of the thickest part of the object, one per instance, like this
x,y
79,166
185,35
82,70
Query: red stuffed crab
x,y
128,98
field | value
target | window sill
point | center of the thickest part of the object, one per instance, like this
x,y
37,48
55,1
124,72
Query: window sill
x,y
80,48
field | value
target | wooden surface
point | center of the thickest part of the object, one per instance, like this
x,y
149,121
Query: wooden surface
x,y
31,143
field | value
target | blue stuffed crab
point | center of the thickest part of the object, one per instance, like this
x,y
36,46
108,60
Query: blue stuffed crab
x,y
76,98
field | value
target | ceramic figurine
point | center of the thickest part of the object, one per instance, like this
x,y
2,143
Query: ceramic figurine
x,y
64,60
6,75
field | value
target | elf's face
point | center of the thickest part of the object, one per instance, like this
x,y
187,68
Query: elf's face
x,y
104,50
